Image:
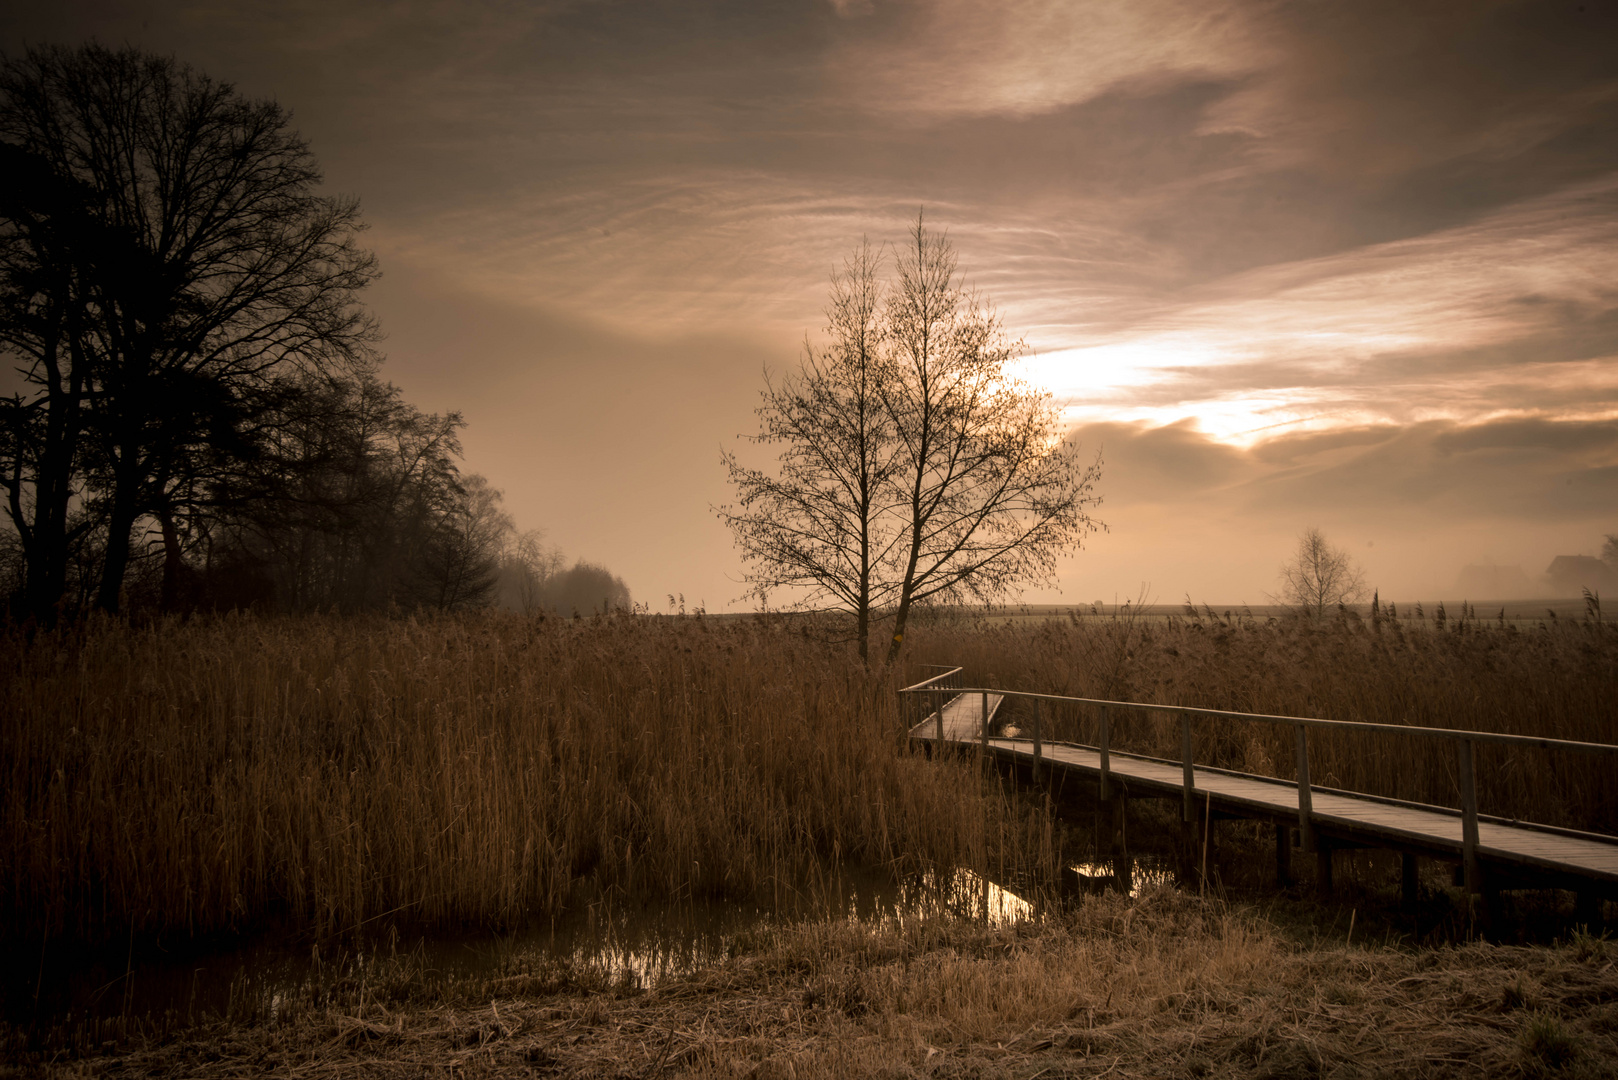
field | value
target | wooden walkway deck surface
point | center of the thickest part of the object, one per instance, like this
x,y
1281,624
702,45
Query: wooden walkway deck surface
x,y
1511,851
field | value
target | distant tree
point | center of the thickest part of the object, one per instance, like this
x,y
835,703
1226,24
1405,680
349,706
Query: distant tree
x,y
585,588
1320,576
164,259
1609,550
356,502
461,549
527,566
912,468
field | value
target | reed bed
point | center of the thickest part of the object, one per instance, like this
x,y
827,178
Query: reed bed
x,y
324,775
1557,680
327,775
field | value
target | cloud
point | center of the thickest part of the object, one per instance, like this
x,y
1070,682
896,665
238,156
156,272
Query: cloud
x,y
1517,312
941,58
1527,470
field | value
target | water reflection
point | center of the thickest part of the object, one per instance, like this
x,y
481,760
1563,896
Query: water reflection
x,y
642,945
1096,877
610,942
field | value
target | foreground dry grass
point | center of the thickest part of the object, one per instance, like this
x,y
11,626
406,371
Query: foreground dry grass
x,y
1162,985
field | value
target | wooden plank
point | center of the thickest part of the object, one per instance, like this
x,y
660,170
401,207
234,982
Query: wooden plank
x,y
963,717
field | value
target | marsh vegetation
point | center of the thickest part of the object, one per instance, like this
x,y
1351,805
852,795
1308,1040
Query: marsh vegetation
x,y
325,775
338,781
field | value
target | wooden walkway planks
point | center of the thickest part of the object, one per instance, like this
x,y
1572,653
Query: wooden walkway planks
x,y
963,718
1378,822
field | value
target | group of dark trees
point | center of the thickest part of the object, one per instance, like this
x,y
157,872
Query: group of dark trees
x,y
194,415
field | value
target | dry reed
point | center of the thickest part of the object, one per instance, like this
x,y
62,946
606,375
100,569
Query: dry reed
x,y
326,774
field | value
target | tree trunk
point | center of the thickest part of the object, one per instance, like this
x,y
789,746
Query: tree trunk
x,y
120,528
46,540
173,564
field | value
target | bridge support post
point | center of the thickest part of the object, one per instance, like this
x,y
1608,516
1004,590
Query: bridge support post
x,y
1306,810
1123,872
1409,880
1188,804
1105,748
1110,814
1471,872
1587,911
1283,855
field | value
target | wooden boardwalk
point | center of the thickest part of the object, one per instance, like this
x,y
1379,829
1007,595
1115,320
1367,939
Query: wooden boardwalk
x,y
1510,854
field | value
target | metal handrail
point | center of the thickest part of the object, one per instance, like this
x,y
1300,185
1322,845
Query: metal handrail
x,y
939,689
927,683
1463,738
1459,734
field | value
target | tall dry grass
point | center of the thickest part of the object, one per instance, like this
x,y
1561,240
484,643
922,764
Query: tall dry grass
x,y
327,774
320,773
1559,680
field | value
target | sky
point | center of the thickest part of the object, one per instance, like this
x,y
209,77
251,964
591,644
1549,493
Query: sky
x,y
1281,264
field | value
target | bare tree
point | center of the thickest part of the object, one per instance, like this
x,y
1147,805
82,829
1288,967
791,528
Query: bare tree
x,y
913,469
174,264
1609,550
990,492
460,559
1320,576
823,525
526,568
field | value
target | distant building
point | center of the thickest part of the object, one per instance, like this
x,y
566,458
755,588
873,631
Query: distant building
x,y
1490,582
1568,575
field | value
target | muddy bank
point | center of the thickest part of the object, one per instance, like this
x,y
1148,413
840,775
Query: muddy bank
x,y
1162,984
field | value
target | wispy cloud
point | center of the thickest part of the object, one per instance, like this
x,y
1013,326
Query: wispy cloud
x,y
957,57
1462,324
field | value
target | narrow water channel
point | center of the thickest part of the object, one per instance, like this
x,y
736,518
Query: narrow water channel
x,y
616,943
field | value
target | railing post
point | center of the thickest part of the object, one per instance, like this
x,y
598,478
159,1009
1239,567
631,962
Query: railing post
x,y
1306,808
1189,807
938,695
983,731
1471,872
1106,764
1188,814
1036,741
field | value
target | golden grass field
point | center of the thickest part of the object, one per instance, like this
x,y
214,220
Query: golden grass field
x,y
325,775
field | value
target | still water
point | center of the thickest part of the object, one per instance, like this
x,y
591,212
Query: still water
x,y
613,942
606,942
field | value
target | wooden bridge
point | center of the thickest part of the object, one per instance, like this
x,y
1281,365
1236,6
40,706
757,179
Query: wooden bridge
x,y
1493,853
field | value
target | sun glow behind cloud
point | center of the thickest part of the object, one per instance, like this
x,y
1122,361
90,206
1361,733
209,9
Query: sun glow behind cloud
x,y
1448,326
